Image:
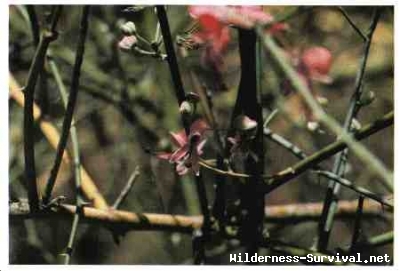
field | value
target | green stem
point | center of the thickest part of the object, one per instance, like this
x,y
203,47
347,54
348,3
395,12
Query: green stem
x,y
75,150
332,193
71,103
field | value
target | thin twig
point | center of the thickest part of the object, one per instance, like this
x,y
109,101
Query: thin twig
x,y
360,190
128,186
376,241
75,152
71,103
327,174
34,71
270,117
296,151
76,163
353,25
332,193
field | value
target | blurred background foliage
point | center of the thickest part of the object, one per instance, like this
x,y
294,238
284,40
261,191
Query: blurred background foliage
x,y
126,106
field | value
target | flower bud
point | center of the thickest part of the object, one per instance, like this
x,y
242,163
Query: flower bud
x,y
367,98
355,125
128,28
244,123
312,126
317,60
322,100
127,43
186,108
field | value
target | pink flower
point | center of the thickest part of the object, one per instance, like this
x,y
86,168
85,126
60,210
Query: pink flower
x,y
241,16
189,148
316,63
313,64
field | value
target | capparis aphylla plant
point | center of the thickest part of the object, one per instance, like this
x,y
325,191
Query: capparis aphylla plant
x,y
201,134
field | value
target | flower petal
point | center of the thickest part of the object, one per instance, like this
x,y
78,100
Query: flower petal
x,y
179,154
163,155
179,139
181,169
127,42
200,146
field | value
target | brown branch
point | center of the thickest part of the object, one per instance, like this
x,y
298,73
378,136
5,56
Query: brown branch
x,y
312,211
183,223
52,135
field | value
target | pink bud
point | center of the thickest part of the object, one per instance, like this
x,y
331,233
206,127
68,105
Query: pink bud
x,y
127,42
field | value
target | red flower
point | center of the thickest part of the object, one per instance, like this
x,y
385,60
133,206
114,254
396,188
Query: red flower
x,y
189,148
215,36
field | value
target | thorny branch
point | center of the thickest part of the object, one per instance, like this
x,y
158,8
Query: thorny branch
x,y
326,152
37,64
332,193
